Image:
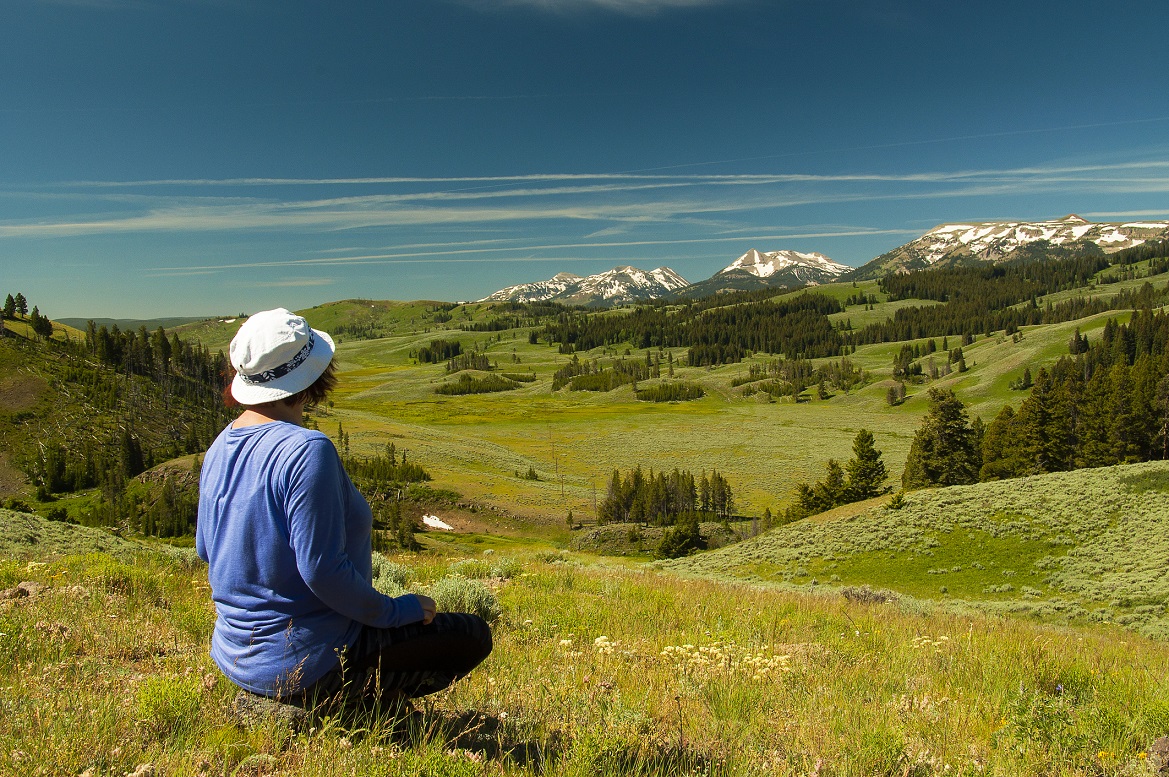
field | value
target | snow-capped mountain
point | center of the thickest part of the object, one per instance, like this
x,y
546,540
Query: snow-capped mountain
x,y
1000,240
770,269
614,287
804,268
535,292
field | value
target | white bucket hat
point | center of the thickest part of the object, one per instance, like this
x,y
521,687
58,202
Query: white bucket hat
x,y
275,355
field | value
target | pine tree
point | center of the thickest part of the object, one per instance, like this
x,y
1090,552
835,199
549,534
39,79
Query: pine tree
x,y
9,307
943,451
21,304
830,491
866,472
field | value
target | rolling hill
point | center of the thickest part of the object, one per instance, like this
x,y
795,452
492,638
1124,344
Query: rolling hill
x,y
1088,545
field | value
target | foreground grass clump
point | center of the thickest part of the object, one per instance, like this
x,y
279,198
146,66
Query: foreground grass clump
x,y
104,668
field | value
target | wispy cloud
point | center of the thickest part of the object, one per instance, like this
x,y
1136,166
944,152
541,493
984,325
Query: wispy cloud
x,y
297,283
539,252
1127,214
627,7
612,203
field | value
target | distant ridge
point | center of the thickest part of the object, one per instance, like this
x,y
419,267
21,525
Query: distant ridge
x,y
996,241
132,323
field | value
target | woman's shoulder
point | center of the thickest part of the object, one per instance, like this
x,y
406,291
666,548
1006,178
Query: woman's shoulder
x,y
289,439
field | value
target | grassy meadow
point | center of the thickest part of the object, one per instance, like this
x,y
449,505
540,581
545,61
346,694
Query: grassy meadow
x,y
597,670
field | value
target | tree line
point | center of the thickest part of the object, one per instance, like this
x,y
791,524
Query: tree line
x,y
663,498
1104,403
725,329
797,327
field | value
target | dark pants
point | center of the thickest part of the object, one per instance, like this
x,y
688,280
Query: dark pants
x,y
406,661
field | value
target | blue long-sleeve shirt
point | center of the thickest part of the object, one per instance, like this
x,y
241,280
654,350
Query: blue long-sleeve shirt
x,y
287,538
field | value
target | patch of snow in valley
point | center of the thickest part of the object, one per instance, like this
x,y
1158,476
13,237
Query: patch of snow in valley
x,y
434,522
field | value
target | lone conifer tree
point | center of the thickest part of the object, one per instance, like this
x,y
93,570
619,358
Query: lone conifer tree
x,y
866,472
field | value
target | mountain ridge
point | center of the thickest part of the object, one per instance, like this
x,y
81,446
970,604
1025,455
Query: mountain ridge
x,y
624,283
996,241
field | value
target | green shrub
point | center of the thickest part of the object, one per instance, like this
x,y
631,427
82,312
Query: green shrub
x,y
139,582
389,571
471,568
506,568
458,594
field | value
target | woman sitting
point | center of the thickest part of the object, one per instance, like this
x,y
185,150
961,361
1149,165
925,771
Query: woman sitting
x,y
287,538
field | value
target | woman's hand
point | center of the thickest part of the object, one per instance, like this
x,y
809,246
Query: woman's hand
x,y
429,608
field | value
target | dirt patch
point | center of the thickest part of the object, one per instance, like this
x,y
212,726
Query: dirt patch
x,y
11,479
463,520
20,392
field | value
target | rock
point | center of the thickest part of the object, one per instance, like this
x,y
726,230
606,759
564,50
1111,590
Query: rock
x,y
250,708
1159,756
23,590
143,770
256,764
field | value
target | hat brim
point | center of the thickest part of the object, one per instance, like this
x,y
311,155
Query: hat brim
x,y
294,382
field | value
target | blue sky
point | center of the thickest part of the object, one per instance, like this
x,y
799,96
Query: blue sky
x,y
204,157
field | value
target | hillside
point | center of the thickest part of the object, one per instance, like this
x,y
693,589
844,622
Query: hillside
x,y
77,426
1085,546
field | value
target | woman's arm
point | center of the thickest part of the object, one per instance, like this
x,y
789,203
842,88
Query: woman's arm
x,y
316,503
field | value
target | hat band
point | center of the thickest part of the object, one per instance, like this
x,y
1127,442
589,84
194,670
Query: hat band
x,y
267,376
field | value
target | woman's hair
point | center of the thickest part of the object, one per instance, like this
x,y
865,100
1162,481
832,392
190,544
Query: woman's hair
x,y
318,390
312,396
